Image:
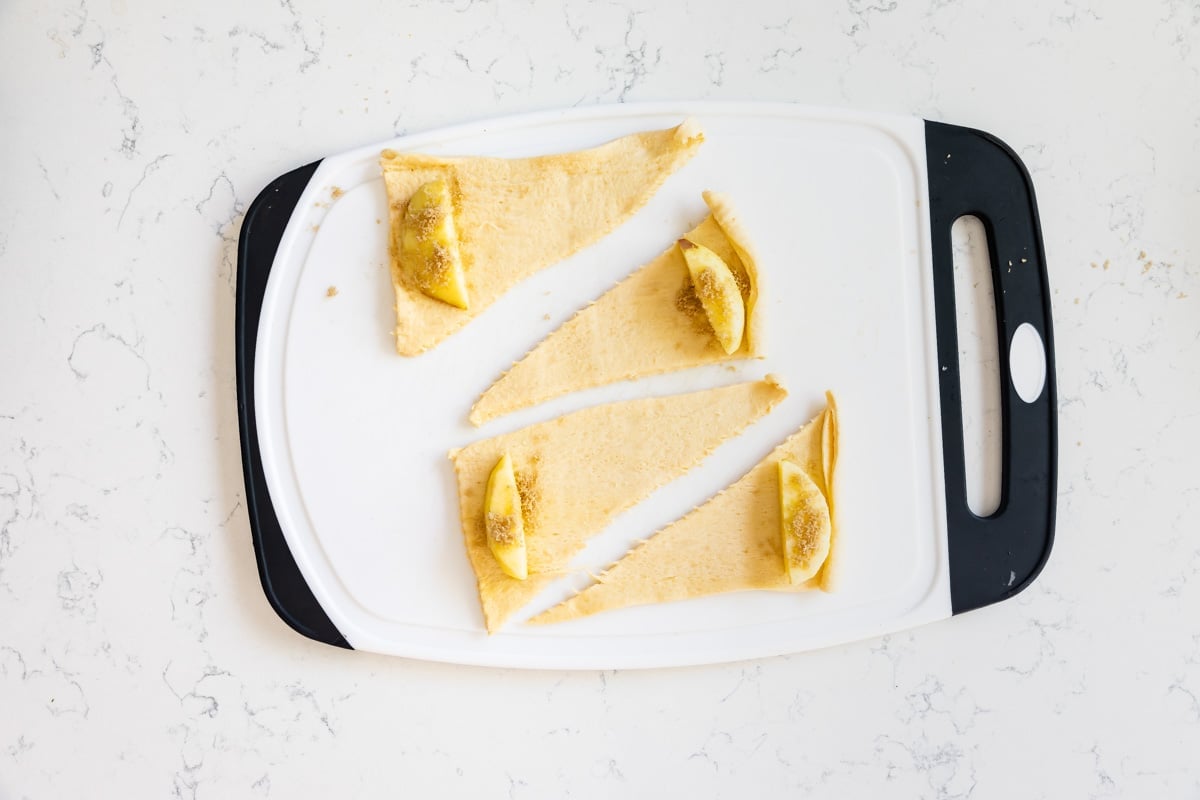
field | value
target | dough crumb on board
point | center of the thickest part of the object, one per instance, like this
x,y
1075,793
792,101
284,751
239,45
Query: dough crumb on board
x,y
331,291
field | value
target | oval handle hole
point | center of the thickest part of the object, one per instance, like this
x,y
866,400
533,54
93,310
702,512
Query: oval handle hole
x,y
1027,362
978,364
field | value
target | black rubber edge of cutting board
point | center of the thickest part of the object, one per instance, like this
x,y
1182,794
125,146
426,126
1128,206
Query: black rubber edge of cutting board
x,y
993,558
285,587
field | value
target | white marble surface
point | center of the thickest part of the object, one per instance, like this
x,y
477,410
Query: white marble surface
x,y
137,655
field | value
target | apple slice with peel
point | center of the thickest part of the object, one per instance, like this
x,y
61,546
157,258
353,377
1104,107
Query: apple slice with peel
x,y
503,520
718,291
804,523
429,254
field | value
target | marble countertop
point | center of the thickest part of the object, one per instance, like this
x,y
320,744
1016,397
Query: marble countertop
x,y
138,657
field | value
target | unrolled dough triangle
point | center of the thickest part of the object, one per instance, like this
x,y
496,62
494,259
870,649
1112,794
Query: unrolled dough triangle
x,y
650,323
730,543
517,216
579,471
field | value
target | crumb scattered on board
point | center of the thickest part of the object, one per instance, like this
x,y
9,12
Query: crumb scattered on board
x,y
336,192
331,291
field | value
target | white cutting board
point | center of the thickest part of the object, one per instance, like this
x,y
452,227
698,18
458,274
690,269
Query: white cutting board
x,y
354,437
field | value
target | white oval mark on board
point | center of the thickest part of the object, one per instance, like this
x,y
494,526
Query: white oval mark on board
x,y
1027,363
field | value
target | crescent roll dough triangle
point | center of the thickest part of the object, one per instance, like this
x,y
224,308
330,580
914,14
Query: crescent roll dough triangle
x,y
517,216
730,543
650,323
579,471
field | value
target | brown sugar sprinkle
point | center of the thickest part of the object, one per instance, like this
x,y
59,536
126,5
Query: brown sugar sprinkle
x,y
706,287
500,528
805,531
687,303
709,291
424,221
530,498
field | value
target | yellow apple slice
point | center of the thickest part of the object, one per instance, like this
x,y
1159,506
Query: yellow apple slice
x,y
503,521
804,523
718,291
429,254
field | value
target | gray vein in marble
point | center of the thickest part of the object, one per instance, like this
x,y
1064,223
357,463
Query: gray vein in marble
x,y
265,44
311,49
18,494
930,698
513,785
715,63
746,676
576,32
147,171
634,65
22,745
77,590
98,56
1183,35
612,770
56,705
81,14
297,691
940,764
46,178
863,10
195,701
703,755
133,128
499,83
10,654
101,333
1073,16
223,210
770,62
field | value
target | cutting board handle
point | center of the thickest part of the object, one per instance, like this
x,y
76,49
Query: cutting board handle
x,y
282,581
994,557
